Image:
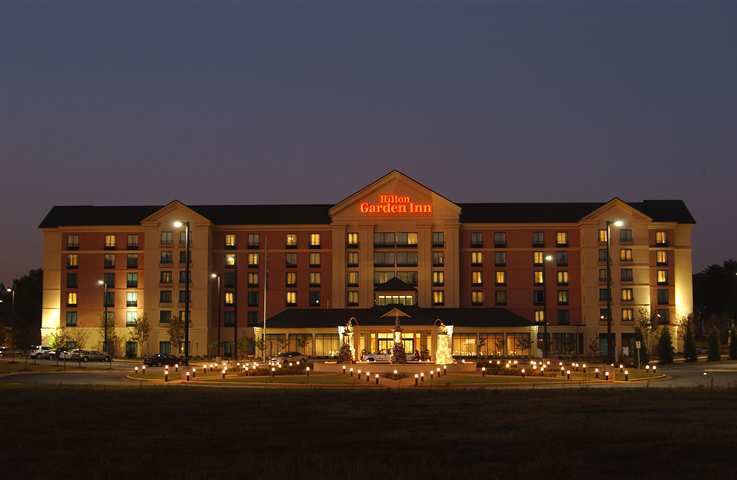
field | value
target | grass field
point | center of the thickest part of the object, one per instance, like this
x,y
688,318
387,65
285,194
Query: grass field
x,y
180,432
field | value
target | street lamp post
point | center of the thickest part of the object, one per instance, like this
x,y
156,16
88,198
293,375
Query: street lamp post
x,y
546,340
609,342
220,308
103,283
187,257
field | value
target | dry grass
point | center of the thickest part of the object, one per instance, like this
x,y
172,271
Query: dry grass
x,y
191,432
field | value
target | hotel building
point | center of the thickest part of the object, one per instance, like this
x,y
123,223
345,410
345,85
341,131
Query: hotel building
x,y
492,273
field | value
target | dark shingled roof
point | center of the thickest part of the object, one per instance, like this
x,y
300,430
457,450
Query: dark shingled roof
x,y
85,215
658,210
393,284
461,317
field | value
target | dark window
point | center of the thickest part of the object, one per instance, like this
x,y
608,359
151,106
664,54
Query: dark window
x,y
500,239
110,299
501,297
314,299
71,280
228,318
538,239
165,347
164,296
182,296
131,280
663,297
603,294
561,258
438,259
602,254
538,297
602,275
563,317
253,240
661,316
71,319
438,239
132,261
252,318
109,261
625,274
500,259
164,316
625,235
291,259
477,239
229,279
603,314
252,299
166,257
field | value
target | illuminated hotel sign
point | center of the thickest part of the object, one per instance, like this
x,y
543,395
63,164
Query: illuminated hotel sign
x,y
395,204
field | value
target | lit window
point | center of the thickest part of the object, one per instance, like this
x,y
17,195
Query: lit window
x,y
252,279
229,298
253,259
230,240
314,279
352,239
132,242
72,261
538,258
602,235
353,278
662,277
130,318
291,298
165,277
230,259
72,299
477,297
477,258
438,278
661,257
109,241
131,299
438,298
253,240
539,315
627,295
314,259
352,259
291,279
562,297
314,240
538,277
291,240
562,277
501,278
625,254
627,314
476,278
352,297
661,238
72,242
561,239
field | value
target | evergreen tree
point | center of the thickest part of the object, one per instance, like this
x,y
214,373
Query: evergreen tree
x,y
665,347
689,344
714,354
733,343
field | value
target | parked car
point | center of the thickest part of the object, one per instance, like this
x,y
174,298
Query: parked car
x,y
67,355
42,352
284,358
90,356
160,359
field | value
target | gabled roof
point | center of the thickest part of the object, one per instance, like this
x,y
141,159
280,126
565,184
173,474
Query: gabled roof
x,y
461,317
393,284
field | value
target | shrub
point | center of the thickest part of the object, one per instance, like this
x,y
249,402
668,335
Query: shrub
x,y
665,347
689,344
714,354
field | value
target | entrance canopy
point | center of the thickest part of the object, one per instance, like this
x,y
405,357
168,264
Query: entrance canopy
x,y
413,316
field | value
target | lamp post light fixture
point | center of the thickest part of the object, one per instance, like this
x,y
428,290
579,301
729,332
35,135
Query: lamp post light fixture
x,y
610,343
546,340
187,258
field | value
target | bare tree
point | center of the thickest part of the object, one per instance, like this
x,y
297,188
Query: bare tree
x,y
140,331
176,332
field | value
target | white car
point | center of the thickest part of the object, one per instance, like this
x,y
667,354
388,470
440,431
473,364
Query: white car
x,y
285,358
42,352
377,357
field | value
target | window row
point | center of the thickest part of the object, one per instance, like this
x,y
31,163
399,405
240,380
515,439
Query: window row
x,y
131,318
290,240
72,261
500,239
110,242
131,299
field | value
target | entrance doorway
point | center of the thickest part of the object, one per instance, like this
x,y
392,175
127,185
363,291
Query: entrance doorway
x,y
385,341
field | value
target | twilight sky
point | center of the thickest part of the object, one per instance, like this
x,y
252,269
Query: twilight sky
x,y
142,102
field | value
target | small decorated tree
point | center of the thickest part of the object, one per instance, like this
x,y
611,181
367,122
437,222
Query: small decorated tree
x,y
345,355
665,347
714,354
